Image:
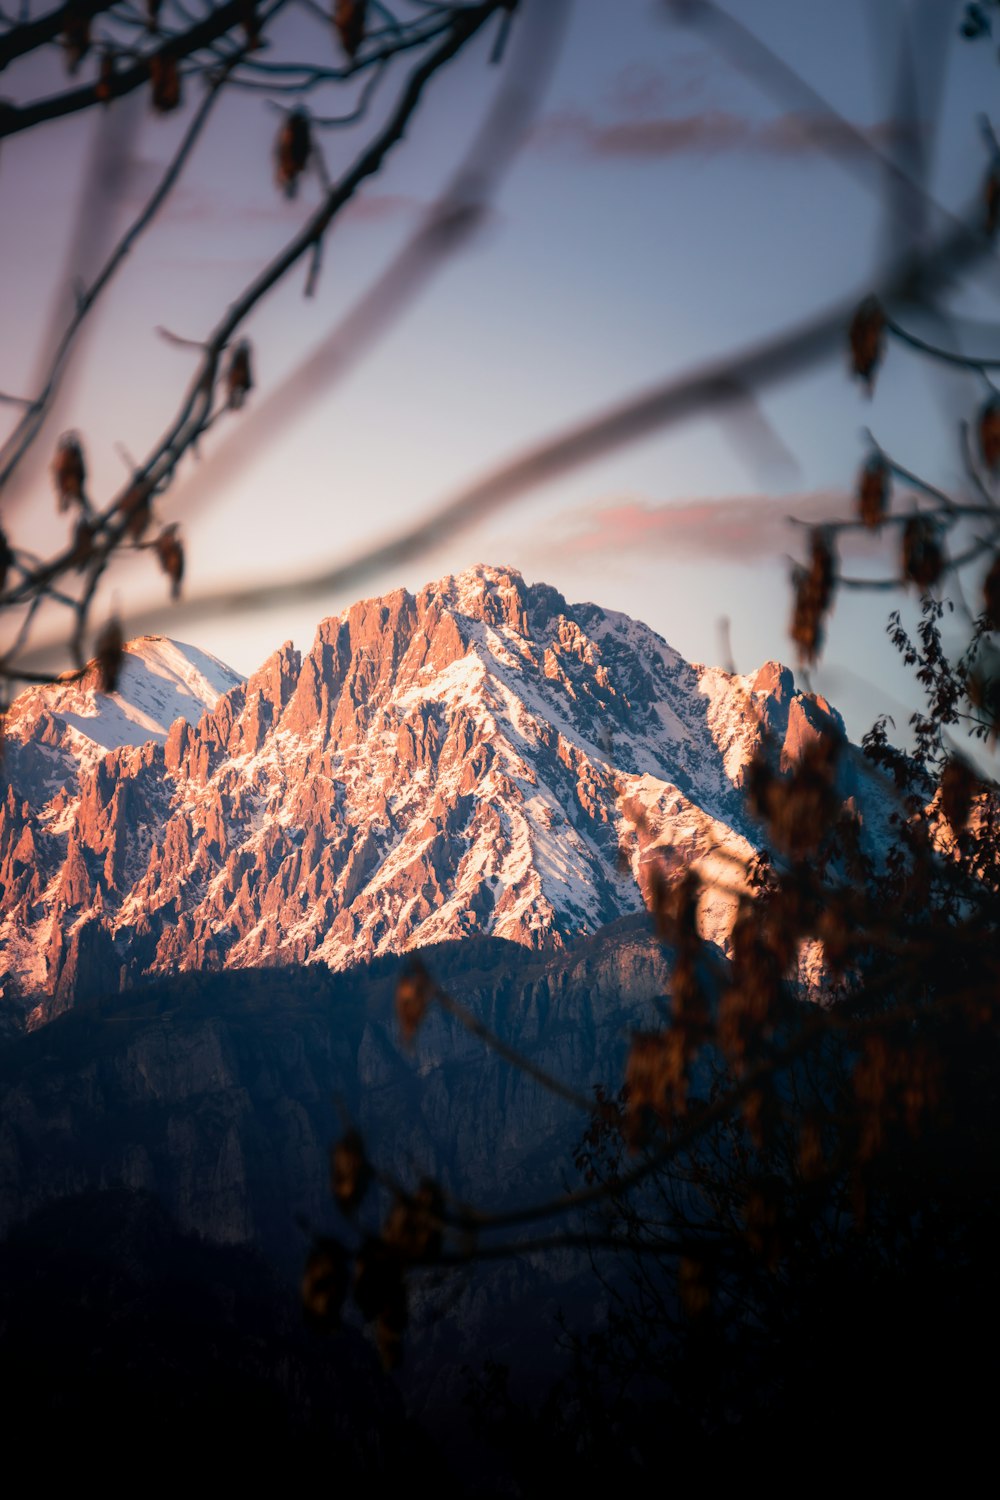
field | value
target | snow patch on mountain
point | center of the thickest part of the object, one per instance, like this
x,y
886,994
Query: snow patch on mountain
x,y
161,680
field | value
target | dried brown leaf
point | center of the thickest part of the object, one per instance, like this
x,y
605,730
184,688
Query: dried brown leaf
x,y
350,1172
867,340
110,653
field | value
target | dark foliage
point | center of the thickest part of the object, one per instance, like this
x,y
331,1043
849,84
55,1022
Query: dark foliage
x,y
165,1355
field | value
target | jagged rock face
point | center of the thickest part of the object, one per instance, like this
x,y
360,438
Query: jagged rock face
x,y
470,761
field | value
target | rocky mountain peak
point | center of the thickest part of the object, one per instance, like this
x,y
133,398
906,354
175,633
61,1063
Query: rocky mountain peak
x,y
481,758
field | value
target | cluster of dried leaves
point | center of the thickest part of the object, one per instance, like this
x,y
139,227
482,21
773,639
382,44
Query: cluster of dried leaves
x,y
813,1145
162,59
372,1272
769,1125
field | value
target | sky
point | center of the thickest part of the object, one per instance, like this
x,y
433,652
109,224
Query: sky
x,y
662,211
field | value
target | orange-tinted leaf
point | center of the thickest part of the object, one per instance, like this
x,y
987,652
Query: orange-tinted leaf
x,y
413,1227
350,1171
105,76
69,472
239,376
75,37
414,993
867,340
873,492
325,1282
292,150
165,78
170,551
83,543
349,18
923,559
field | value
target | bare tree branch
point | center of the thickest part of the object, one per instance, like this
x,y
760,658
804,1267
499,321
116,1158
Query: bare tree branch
x,y
19,40
27,429
16,118
663,406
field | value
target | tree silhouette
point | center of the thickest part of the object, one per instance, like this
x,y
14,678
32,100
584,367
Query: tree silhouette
x,y
773,1160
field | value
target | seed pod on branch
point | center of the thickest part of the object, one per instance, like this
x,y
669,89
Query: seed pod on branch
x,y
75,38
105,77
239,376
798,808
292,150
867,340
813,597
674,905
414,993
83,543
989,434
165,79
251,24
837,928
655,1082
413,1227
873,492
110,653
349,18
137,506
69,472
325,1283
751,1005
923,559
170,552
350,1172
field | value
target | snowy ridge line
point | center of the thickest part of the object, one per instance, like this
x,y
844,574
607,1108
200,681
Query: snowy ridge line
x,y
471,760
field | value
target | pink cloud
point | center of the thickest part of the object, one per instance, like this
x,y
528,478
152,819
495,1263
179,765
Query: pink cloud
x,y
196,205
743,529
715,130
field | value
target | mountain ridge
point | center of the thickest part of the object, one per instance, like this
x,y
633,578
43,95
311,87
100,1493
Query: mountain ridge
x,y
480,758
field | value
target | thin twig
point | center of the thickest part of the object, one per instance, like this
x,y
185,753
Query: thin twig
x,y
27,429
942,356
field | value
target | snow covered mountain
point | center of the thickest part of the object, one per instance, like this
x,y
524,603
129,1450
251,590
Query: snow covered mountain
x,y
160,681
481,759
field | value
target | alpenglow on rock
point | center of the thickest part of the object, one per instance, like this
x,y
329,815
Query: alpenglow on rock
x,y
483,758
